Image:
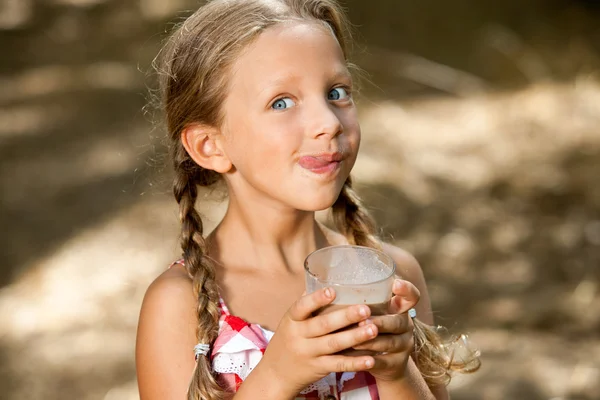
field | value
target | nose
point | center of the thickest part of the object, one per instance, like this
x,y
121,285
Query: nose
x,y
324,120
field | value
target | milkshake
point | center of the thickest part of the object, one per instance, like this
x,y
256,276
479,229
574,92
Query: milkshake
x,y
359,275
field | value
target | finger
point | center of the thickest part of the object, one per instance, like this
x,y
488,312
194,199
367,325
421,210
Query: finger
x,y
397,324
338,319
338,363
406,296
336,342
306,305
389,343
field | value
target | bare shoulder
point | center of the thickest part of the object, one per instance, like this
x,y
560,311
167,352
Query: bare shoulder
x,y
174,280
166,336
408,268
169,296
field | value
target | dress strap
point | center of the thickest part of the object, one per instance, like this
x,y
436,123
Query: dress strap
x,y
223,307
180,262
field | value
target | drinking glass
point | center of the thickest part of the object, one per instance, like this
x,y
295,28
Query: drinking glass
x,y
359,275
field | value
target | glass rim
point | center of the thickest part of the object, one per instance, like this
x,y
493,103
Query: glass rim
x,y
351,246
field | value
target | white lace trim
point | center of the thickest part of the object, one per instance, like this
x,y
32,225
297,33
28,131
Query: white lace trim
x,y
323,385
241,363
346,376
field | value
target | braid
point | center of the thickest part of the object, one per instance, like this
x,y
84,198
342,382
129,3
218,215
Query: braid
x,y
434,356
352,219
199,267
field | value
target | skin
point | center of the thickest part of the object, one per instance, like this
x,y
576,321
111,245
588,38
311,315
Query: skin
x,y
270,228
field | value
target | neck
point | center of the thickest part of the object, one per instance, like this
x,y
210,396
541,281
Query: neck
x,y
267,236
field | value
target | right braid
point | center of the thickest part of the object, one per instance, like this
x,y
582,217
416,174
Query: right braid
x,y
352,219
434,356
200,268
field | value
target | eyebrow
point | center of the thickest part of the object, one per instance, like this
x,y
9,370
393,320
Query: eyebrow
x,y
342,73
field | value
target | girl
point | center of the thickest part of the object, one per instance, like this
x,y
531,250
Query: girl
x,y
258,94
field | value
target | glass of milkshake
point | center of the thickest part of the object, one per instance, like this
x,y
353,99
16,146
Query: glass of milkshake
x,y
359,275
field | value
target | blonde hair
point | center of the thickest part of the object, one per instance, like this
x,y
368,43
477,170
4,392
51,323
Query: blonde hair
x,y
193,69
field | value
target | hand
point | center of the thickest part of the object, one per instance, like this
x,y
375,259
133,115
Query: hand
x,y
395,341
303,349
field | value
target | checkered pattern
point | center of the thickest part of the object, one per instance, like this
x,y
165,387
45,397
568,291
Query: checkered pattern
x,y
236,333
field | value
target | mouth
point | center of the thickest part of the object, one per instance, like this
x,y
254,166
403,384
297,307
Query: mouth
x,y
322,163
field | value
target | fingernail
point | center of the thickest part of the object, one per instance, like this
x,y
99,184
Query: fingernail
x,y
369,363
397,284
370,331
328,293
362,311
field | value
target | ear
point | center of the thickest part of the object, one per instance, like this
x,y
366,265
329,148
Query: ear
x,y
203,144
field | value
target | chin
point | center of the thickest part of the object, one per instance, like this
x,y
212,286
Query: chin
x,y
317,203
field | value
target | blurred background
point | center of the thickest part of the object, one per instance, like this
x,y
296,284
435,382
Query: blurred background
x,y
481,156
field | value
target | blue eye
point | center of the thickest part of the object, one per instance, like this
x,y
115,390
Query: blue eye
x,y
338,93
283,103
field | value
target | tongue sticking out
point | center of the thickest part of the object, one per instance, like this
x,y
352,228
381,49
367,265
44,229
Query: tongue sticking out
x,y
313,162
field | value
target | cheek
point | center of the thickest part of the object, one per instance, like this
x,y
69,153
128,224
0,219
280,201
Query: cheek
x,y
349,120
357,137
353,137
281,137
353,134
260,144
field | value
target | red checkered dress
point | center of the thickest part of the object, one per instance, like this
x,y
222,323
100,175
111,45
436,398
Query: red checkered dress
x,y
240,346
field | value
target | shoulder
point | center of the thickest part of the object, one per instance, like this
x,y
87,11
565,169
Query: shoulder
x,y
170,293
408,268
166,336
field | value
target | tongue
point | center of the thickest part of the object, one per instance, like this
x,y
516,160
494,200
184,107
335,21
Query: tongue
x,y
313,162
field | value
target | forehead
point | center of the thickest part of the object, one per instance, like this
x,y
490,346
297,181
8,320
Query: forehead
x,y
288,51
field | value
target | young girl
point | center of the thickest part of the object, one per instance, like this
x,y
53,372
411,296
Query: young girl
x,y
258,94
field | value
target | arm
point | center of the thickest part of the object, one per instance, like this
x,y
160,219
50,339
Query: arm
x,y
165,341
260,384
412,387
166,338
409,269
304,349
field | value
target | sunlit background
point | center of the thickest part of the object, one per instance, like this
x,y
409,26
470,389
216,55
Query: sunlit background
x,y
481,155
